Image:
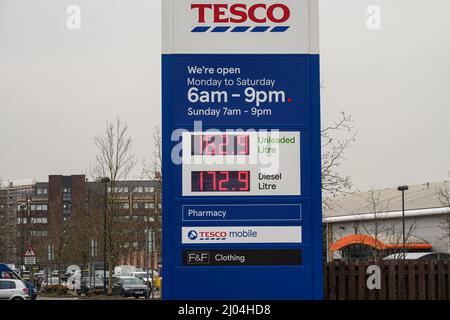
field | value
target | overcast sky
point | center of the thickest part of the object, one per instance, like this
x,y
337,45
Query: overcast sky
x,y
58,87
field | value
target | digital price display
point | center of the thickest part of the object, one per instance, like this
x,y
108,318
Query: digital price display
x,y
224,164
219,144
220,181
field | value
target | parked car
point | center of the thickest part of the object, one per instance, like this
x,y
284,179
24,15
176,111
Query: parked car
x,y
130,287
61,274
52,281
124,270
7,273
99,273
143,276
89,283
13,289
419,256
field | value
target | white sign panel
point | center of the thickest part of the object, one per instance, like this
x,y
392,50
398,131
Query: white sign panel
x,y
30,260
238,26
193,235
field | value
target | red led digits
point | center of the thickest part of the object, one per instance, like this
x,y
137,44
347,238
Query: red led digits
x,y
220,144
243,177
226,180
220,181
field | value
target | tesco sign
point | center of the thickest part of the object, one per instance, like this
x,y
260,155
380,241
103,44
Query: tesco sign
x,y
212,234
241,234
241,12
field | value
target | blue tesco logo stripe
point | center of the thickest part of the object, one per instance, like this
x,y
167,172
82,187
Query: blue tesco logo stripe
x,y
200,29
260,29
279,29
240,29
220,29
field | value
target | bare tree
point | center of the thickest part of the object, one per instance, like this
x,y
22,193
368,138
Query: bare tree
x,y
154,172
443,195
377,228
80,231
336,140
58,233
114,160
395,234
3,230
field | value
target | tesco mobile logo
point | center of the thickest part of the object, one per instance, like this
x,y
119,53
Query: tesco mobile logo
x,y
192,235
259,17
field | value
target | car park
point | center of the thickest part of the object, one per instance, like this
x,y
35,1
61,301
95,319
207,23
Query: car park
x,y
13,289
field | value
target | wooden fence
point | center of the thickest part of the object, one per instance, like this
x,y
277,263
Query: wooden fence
x,y
409,280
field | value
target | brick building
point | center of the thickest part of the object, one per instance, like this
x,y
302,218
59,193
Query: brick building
x,y
29,215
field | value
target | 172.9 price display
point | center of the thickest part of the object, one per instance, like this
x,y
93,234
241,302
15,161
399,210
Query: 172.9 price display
x,y
220,181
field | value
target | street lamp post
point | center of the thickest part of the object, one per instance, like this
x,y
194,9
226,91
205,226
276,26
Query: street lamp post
x,y
105,181
403,189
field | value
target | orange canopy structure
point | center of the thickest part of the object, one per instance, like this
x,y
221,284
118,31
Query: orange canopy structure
x,y
382,243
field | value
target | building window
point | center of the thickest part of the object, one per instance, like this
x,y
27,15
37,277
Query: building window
x,y
38,233
67,193
118,189
39,220
123,205
21,220
149,189
143,205
39,207
67,208
41,191
149,205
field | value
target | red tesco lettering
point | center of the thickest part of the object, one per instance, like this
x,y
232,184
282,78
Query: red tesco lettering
x,y
241,13
213,234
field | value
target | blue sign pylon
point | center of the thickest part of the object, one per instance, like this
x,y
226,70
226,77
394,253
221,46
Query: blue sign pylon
x,y
242,214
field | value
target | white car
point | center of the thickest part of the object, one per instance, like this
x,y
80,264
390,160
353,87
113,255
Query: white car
x,y
53,281
142,276
13,289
